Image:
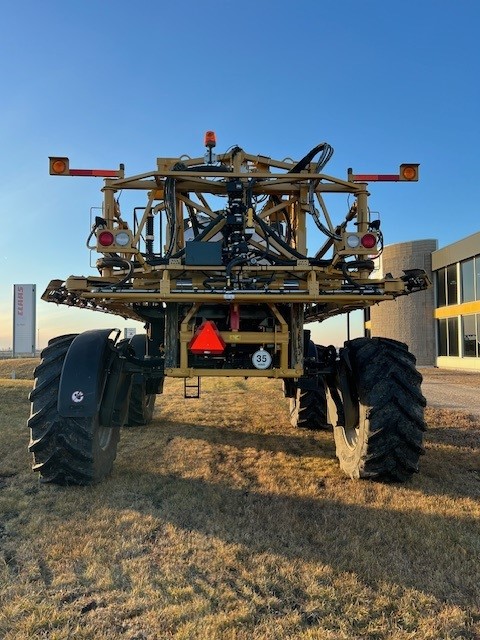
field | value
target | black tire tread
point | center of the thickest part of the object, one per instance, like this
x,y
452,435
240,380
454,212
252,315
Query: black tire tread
x,y
61,447
141,407
390,386
308,410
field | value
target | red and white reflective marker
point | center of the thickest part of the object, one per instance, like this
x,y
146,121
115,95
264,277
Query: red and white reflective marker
x,y
207,340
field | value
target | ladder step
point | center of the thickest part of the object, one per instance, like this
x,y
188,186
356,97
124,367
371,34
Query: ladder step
x,y
191,390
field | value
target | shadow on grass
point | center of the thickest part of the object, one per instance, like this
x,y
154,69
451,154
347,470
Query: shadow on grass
x,y
439,555
295,444
453,471
436,555
414,549
459,438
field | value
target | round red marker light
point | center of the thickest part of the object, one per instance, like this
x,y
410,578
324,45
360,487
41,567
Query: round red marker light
x,y
105,238
369,241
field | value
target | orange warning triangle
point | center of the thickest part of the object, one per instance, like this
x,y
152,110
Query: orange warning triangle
x,y
207,339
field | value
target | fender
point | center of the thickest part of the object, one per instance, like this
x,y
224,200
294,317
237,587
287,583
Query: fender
x,y
83,374
342,400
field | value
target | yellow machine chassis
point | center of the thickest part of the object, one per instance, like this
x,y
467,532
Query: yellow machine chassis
x,y
315,287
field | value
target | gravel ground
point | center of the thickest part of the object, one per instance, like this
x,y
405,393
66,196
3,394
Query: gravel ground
x,y
452,390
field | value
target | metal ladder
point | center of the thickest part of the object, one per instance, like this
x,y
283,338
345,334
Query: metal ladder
x,y
192,390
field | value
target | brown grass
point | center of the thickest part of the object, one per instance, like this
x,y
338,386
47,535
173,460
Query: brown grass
x,y
222,522
18,368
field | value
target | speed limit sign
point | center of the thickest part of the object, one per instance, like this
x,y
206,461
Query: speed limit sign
x,y
261,359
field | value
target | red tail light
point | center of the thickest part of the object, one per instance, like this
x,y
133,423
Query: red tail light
x,y
105,238
369,241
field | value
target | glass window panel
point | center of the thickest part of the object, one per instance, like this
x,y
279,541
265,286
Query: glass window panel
x,y
477,317
452,336
468,281
452,285
441,297
442,337
469,337
477,270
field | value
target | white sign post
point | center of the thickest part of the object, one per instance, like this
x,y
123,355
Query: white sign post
x,y
24,308
129,332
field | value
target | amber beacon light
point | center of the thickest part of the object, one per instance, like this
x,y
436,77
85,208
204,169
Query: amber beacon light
x,y
409,172
59,166
210,139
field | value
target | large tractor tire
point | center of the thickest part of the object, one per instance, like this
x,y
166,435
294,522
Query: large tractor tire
x,y
142,405
308,409
66,450
142,401
377,408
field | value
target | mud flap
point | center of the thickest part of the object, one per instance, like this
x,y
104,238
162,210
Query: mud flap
x,y
85,376
342,400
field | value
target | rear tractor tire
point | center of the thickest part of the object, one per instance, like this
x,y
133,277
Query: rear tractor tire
x,y
308,409
377,408
142,400
142,405
66,450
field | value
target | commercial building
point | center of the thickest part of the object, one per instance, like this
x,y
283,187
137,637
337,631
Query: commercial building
x,y
456,270
408,319
440,325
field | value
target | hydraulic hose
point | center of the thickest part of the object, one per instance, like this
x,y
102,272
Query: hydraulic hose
x,y
233,263
327,154
266,229
115,261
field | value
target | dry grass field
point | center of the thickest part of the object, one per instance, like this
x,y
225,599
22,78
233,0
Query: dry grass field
x,y
222,522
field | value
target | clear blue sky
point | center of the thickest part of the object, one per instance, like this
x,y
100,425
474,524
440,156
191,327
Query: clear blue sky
x,y
382,81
